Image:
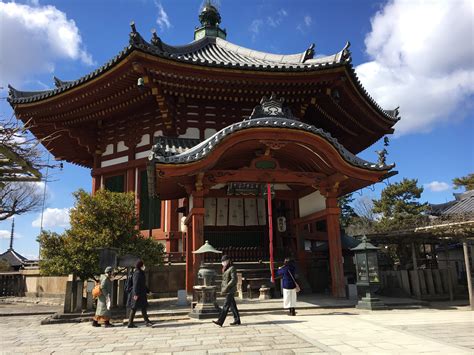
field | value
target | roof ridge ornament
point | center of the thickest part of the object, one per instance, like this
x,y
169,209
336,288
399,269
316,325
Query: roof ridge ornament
x,y
271,107
155,40
309,53
134,37
346,52
210,19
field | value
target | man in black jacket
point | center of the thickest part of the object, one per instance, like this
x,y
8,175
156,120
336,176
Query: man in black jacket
x,y
137,298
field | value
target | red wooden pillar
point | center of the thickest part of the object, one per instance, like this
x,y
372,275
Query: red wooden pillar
x,y
130,180
335,247
95,183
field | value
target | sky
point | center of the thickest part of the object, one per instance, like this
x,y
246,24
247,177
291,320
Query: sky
x,y
418,55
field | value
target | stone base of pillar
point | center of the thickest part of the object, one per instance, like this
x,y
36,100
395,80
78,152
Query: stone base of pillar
x,y
264,293
206,306
371,303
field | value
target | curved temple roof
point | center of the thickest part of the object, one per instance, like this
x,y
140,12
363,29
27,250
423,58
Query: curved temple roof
x,y
213,52
270,114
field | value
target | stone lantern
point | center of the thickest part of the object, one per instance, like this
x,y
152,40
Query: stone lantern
x,y
368,279
206,306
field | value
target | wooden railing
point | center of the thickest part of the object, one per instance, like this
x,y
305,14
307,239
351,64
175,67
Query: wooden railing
x,y
239,254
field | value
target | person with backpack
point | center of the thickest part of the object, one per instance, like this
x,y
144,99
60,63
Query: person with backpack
x,y
289,285
137,297
229,287
102,312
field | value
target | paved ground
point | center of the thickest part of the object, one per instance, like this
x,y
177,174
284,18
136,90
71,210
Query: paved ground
x,y
316,331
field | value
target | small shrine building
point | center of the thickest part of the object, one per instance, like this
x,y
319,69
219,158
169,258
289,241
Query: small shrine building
x,y
198,132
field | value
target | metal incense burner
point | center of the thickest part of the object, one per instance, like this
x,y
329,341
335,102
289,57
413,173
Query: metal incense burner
x,y
205,294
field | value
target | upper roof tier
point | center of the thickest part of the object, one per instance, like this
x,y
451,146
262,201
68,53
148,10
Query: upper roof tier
x,y
213,51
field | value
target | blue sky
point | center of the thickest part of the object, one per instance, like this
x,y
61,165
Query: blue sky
x,y
413,54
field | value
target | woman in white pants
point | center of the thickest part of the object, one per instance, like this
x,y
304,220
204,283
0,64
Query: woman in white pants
x,y
290,287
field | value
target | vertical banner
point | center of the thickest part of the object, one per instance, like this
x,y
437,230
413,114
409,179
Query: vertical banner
x,y
250,214
210,204
262,212
270,229
236,212
222,211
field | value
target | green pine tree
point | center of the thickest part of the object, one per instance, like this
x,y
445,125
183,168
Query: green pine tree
x,y
465,181
399,206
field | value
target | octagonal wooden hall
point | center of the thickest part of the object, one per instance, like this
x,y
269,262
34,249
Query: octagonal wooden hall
x,y
196,111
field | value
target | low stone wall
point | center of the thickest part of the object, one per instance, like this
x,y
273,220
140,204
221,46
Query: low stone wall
x,y
36,285
166,280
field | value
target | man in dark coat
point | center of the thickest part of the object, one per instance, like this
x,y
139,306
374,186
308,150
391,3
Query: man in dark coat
x,y
229,287
137,298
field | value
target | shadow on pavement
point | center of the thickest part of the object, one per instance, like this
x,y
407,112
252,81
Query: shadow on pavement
x,y
275,322
328,314
174,325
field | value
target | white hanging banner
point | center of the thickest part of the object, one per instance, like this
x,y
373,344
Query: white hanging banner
x,y
236,212
251,218
222,211
262,212
210,204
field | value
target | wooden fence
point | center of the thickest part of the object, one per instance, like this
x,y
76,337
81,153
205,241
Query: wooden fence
x,y
421,284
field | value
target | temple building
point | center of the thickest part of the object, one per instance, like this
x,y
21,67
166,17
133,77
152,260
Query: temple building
x,y
199,132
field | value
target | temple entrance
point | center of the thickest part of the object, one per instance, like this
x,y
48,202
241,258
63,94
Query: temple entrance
x,y
227,178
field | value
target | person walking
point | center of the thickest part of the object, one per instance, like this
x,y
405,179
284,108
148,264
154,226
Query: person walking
x,y
229,287
102,312
138,298
289,285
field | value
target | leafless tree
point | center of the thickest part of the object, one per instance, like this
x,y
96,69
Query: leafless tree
x,y
18,198
21,161
364,207
365,221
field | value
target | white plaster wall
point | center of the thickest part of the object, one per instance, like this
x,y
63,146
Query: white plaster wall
x,y
144,141
311,203
115,161
208,132
121,147
144,154
109,150
191,132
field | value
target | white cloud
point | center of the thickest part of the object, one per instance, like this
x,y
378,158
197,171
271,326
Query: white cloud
x,y
437,186
53,218
305,24
421,60
33,38
162,20
255,28
4,234
275,20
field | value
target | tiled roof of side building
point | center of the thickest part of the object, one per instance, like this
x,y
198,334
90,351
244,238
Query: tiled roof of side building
x,y
214,52
464,203
13,258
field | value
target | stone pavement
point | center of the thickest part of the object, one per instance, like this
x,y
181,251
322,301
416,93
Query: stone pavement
x,y
314,331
